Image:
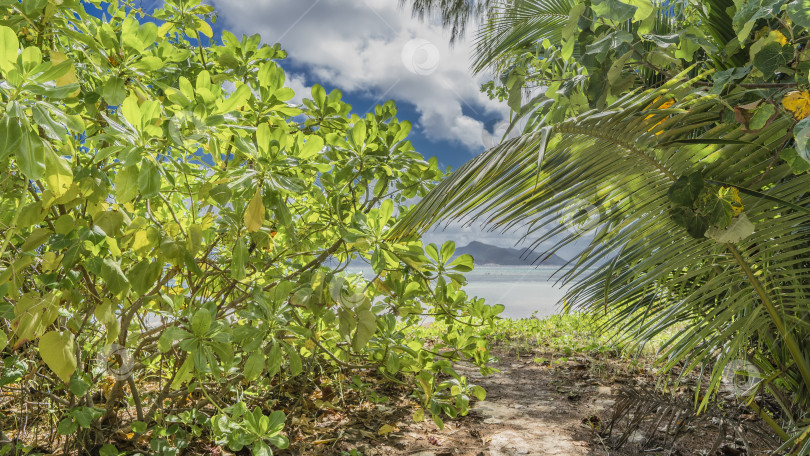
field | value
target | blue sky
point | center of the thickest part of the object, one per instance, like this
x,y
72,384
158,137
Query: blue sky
x,y
373,51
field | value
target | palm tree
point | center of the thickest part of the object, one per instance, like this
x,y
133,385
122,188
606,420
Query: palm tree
x,y
454,14
703,232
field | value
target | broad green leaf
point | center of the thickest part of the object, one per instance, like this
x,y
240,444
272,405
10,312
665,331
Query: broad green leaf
x,y
614,10
37,237
195,239
143,276
801,132
761,115
685,191
170,335
33,314
31,57
644,8
67,426
386,211
58,58
58,351
318,95
201,322
260,448
366,327
58,173
239,260
799,12
115,92
463,263
132,111
113,276
237,99
312,146
9,48
771,57
570,28
723,78
797,163
747,15
358,134
447,251
254,366
126,184
296,366
274,359
104,312
31,156
254,213
696,225
149,180
10,136
78,385
184,374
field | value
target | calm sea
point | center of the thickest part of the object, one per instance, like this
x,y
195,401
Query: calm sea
x,y
523,290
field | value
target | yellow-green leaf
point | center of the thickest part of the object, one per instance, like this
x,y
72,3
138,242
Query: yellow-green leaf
x,y
67,78
797,103
58,351
9,48
254,214
58,174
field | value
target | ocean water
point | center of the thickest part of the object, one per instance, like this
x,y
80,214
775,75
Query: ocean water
x,y
523,290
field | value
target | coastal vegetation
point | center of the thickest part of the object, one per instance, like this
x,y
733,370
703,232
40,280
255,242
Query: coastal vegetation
x,y
674,135
176,225
174,233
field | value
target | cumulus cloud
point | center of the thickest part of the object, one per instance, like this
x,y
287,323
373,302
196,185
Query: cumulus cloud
x,y
376,49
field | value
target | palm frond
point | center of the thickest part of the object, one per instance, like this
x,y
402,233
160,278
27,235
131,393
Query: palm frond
x,y
665,417
454,14
518,24
724,299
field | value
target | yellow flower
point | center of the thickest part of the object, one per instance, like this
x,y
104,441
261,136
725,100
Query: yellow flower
x,y
779,37
798,103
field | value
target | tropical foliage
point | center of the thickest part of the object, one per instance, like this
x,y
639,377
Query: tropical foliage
x,y
671,141
174,231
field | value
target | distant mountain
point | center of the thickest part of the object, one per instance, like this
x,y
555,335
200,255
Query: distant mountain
x,y
490,254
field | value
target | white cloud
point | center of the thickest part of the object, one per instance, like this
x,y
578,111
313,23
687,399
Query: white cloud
x,y
358,46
